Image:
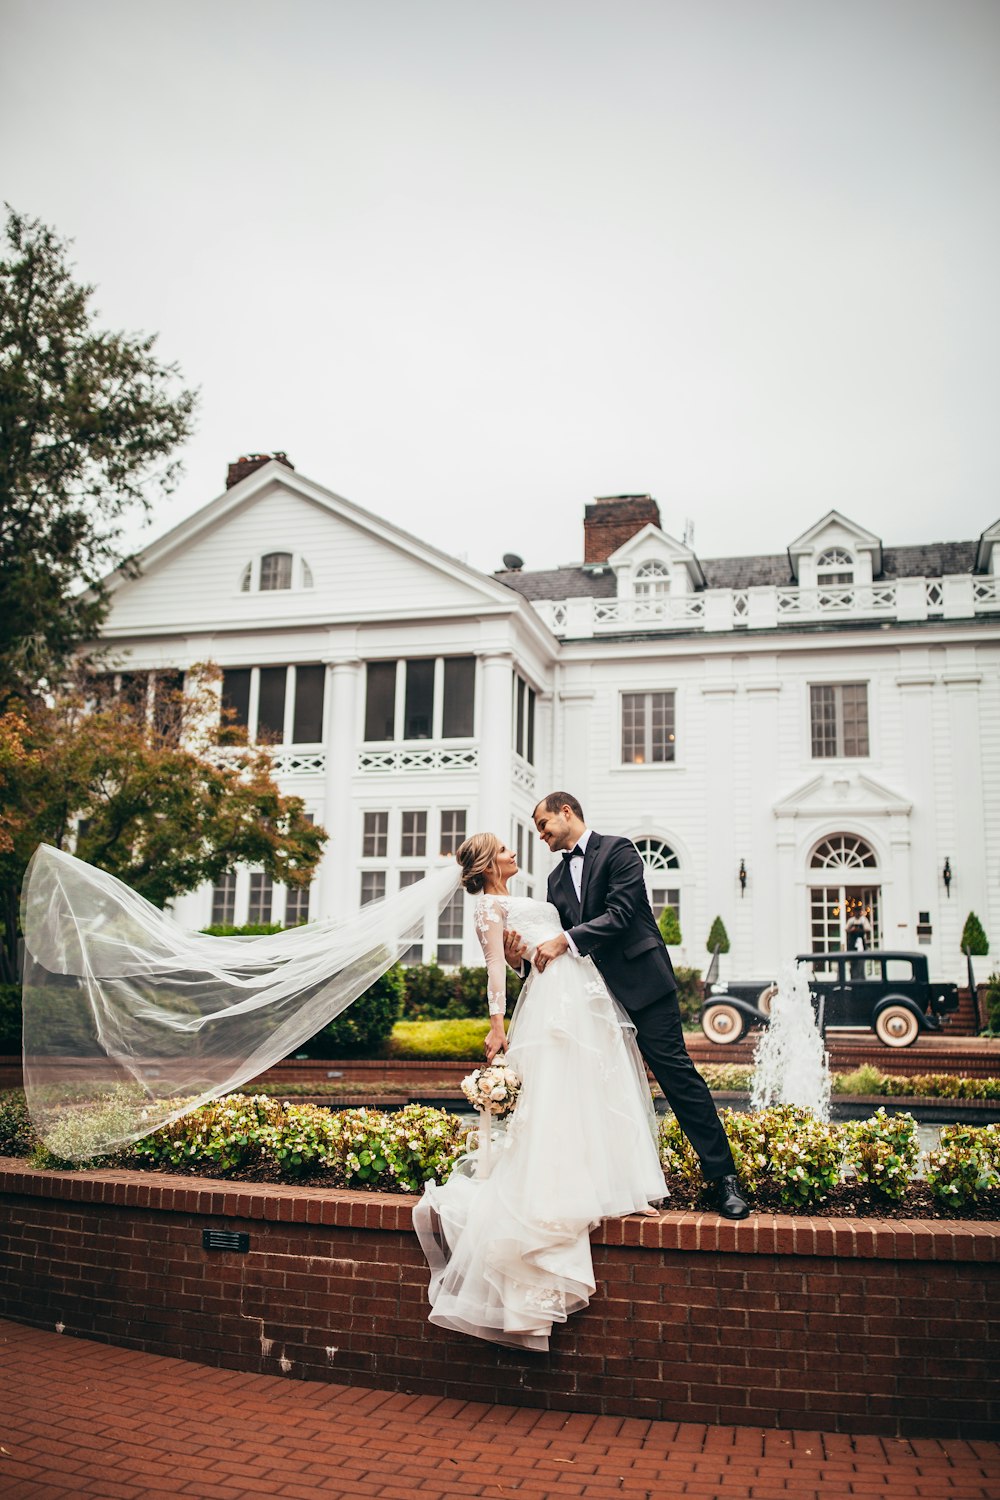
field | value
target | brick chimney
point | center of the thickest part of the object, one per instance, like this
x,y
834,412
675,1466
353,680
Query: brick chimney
x,y
250,463
611,521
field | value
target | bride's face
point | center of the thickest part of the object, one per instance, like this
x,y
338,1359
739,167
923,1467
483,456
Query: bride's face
x,y
505,864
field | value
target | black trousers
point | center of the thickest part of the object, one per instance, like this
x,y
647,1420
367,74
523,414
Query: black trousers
x,y
661,1041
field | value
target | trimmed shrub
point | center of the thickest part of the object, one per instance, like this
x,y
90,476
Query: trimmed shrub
x,y
974,939
364,1027
690,992
436,994
993,1002
718,937
249,929
670,926
10,1018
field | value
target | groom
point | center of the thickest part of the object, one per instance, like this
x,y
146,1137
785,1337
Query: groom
x,y
599,892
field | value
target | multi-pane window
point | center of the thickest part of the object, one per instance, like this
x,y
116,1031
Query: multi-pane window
x,y
449,947
296,905
273,703
839,719
648,728
276,571
424,698
524,720
415,952
261,894
413,842
372,886
452,830
224,900
652,580
375,842
835,566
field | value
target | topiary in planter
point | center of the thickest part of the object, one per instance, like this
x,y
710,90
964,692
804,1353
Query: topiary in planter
x,y
718,937
670,926
974,939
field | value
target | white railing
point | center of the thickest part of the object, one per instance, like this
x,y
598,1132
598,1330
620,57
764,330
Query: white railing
x,y
422,758
957,596
522,774
283,762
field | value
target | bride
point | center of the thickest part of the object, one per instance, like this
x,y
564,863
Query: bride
x,y
509,1253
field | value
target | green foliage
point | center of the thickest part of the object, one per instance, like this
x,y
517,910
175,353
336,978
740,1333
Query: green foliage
x,y
974,939
439,1039
965,1169
364,1027
864,1080
356,1148
90,419
689,992
882,1152
249,929
993,1003
17,1134
670,926
939,1086
718,937
436,994
10,1018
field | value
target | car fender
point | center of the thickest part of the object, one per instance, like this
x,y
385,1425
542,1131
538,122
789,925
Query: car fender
x,y
906,1002
744,1007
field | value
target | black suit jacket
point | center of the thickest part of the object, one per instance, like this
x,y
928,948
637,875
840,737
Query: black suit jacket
x,y
613,922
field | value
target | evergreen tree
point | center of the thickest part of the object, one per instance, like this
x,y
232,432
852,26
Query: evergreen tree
x,y
718,937
670,927
974,939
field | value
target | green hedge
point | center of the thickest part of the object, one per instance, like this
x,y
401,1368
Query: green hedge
x,y
10,1019
365,1027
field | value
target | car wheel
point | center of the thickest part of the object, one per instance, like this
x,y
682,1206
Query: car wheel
x,y
896,1026
766,999
723,1024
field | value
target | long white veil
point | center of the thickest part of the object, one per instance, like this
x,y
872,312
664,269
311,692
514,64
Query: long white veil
x,y
130,1021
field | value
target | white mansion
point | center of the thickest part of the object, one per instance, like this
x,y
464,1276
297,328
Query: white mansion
x,y
788,739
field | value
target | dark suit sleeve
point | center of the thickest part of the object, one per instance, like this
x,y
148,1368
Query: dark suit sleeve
x,y
626,892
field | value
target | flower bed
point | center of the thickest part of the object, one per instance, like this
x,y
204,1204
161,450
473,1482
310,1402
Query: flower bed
x,y
788,1160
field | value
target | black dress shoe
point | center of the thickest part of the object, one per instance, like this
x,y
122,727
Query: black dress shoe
x,y
729,1199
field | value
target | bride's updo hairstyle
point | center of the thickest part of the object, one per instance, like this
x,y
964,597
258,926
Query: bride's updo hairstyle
x,y
478,856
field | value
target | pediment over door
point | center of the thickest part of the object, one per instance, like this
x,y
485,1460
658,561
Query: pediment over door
x,y
843,795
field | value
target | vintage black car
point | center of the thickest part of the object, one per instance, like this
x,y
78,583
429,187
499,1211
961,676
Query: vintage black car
x,y
889,992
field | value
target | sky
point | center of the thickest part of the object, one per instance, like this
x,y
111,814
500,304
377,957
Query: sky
x,y
474,262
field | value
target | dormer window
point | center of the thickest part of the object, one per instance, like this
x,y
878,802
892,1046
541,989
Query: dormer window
x,y
835,566
276,571
652,580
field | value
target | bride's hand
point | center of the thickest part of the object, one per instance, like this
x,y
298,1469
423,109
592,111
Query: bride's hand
x,y
496,1040
514,949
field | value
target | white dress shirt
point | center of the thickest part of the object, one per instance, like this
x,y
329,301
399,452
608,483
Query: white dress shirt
x,y
576,875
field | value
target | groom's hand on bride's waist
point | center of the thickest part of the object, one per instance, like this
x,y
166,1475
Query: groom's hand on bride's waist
x,y
552,948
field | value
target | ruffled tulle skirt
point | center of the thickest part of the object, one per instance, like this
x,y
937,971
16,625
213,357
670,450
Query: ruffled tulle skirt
x,y
509,1253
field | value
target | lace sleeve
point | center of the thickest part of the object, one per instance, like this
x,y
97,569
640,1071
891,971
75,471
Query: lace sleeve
x,y
489,917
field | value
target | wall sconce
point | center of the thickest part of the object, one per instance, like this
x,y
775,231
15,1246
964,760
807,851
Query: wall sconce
x,y
946,876
743,877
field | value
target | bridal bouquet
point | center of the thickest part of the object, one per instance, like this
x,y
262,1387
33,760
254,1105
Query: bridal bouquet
x,y
492,1090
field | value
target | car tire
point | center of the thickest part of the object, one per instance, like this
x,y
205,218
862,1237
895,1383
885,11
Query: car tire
x,y
723,1024
766,999
897,1026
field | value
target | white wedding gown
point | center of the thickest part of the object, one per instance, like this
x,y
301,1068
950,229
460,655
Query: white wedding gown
x,y
509,1253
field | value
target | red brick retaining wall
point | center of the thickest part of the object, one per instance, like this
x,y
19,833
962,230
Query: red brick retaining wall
x,y
860,1326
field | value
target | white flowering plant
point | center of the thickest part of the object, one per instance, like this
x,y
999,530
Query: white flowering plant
x,y
882,1153
494,1089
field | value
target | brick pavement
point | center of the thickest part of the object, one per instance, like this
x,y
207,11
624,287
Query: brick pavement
x,y
80,1418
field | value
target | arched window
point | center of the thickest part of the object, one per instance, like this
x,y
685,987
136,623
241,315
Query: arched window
x,y
663,885
275,571
652,580
843,851
845,896
835,566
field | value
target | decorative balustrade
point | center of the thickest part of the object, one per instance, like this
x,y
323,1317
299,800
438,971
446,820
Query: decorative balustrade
x,y
419,758
522,773
957,596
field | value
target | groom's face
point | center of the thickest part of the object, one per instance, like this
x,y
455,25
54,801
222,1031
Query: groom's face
x,y
554,828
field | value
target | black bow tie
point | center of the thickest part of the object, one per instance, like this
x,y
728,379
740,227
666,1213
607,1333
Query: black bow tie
x,y
569,854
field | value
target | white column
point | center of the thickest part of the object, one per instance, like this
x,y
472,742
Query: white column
x,y
340,860
496,671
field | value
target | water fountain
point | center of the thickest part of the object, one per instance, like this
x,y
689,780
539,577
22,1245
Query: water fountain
x,y
791,1063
